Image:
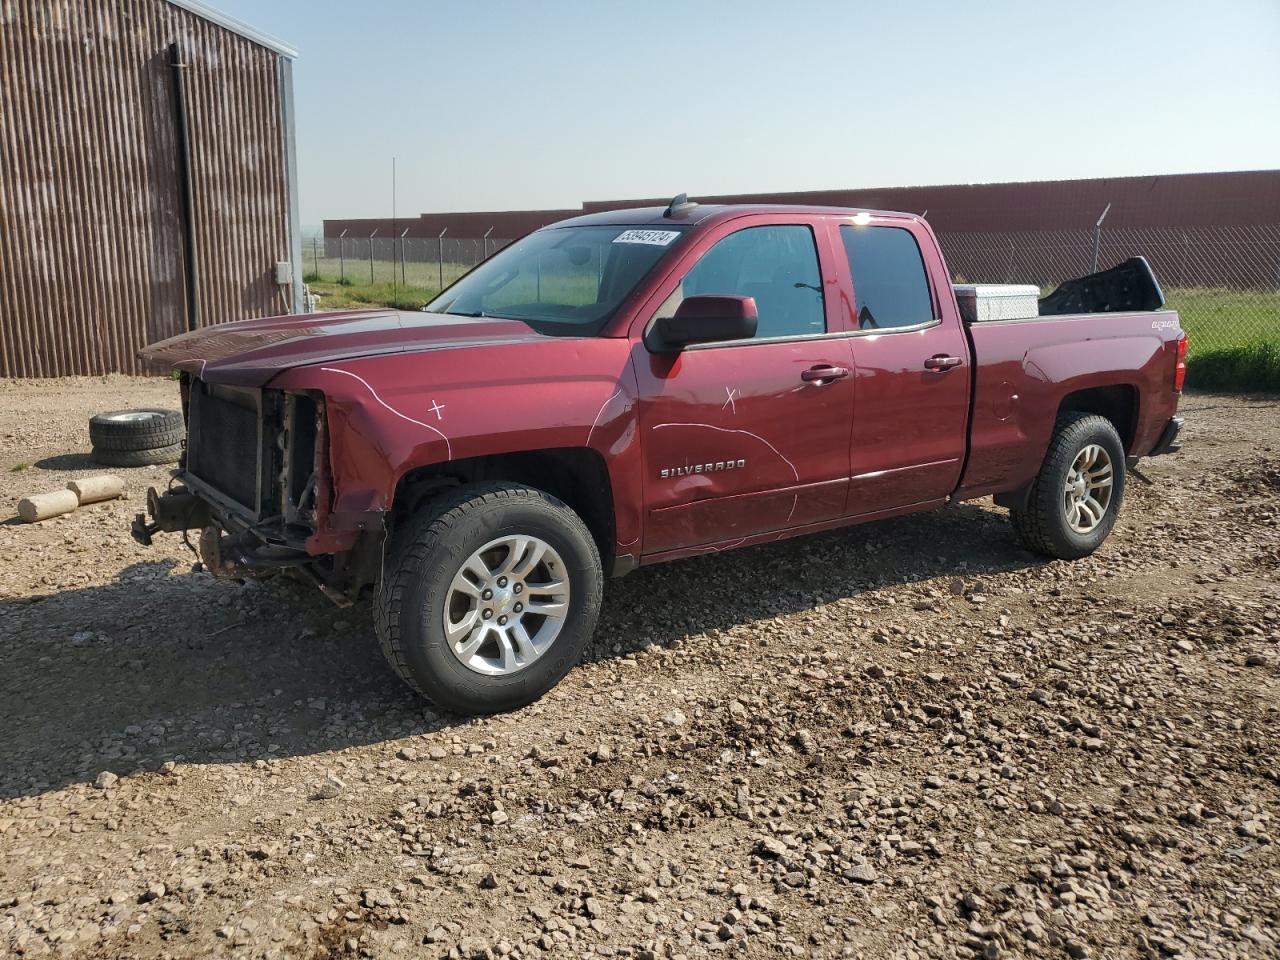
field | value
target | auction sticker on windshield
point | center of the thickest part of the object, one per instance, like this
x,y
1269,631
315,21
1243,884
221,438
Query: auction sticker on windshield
x,y
658,238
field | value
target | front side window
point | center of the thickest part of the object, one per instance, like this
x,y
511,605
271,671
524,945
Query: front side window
x,y
777,265
889,284
565,280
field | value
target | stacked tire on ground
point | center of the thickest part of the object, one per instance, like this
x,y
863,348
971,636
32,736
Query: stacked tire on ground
x,y
137,438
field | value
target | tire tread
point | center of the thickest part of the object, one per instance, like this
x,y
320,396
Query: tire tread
x,y
137,458
1035,525
151,434
425,535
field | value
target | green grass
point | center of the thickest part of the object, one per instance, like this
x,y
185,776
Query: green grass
x,y
358,296
1254,365
1218,318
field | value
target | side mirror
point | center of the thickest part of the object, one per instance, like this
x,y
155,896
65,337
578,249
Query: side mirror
x,y
707,319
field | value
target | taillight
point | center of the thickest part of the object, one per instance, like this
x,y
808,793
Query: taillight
x,y
1180,364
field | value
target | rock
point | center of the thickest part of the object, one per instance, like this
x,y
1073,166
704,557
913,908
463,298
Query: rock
x,y
770,848
106,780
674,718
328,788
377,897
153,892
861,873
407,753
1255,660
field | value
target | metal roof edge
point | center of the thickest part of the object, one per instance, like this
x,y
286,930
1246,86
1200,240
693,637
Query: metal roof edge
x,y
236,26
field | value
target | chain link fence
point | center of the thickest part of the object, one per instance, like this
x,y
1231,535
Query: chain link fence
x,y
1224,281
412,263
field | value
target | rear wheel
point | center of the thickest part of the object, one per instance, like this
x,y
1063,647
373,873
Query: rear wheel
x,y
489,597
1075,499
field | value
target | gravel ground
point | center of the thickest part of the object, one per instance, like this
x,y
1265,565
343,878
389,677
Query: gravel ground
x,y
908,739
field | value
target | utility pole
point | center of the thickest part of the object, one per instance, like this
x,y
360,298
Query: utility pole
x,y
395,292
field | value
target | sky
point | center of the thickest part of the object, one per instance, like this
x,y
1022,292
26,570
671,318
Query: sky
x,y
497,105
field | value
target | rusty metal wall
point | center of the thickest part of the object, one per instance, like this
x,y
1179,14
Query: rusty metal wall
x,y
1184,201
91,216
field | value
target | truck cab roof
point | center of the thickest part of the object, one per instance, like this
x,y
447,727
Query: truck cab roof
x,y
697,214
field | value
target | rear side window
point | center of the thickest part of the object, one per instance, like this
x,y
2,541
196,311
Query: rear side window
x,y
889,285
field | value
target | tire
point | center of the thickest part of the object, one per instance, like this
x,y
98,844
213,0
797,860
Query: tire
x,y
142,429
418,591
1045,524
138,458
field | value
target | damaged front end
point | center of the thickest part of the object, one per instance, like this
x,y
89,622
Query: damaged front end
x,y
254,480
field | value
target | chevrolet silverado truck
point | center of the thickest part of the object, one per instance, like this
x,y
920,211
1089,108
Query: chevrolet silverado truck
x,y
626,388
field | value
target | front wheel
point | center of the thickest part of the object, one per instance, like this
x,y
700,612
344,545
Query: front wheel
x,y
489,597
1076,496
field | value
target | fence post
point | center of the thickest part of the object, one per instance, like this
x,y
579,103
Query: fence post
x,y
484,255
371,236
342,257
403,281
440,255
1097,237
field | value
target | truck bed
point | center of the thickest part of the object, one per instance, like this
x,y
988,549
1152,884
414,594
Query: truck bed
x,y
1023,370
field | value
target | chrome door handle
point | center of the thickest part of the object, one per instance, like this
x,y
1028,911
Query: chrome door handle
x,y
941,363
824,373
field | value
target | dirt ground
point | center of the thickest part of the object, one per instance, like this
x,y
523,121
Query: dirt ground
x,y
908,739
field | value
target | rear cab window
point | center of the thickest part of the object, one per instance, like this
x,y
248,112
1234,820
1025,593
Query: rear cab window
x,y
890,286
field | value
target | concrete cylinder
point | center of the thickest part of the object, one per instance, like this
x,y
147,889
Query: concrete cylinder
x,y
45,505
93,489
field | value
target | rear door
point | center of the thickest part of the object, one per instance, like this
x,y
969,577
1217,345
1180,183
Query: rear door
x,y
911,366
746,437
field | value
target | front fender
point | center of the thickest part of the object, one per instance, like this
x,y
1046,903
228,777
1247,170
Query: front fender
x,y
389,415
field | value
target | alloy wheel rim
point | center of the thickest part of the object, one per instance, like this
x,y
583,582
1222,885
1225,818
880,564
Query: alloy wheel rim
x,y
1087,492
506,605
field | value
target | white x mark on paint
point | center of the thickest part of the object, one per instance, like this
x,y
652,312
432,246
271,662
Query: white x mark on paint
x,y
732,392
436,408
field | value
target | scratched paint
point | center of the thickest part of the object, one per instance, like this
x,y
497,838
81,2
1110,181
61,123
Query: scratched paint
x,y
403,416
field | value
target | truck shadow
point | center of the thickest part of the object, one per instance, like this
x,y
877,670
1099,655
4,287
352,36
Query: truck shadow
x,y
163,664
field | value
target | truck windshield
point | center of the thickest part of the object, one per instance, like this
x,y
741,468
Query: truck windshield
x,y
563,280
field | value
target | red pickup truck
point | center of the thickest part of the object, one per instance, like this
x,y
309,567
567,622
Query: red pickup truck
x,y
630,387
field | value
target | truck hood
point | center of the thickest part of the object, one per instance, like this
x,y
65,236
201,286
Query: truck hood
x,y
250,352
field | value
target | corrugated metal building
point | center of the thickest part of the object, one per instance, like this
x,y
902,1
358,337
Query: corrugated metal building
x,y
147,179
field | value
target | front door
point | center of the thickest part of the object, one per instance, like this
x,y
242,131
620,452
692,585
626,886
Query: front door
x,y
752,436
